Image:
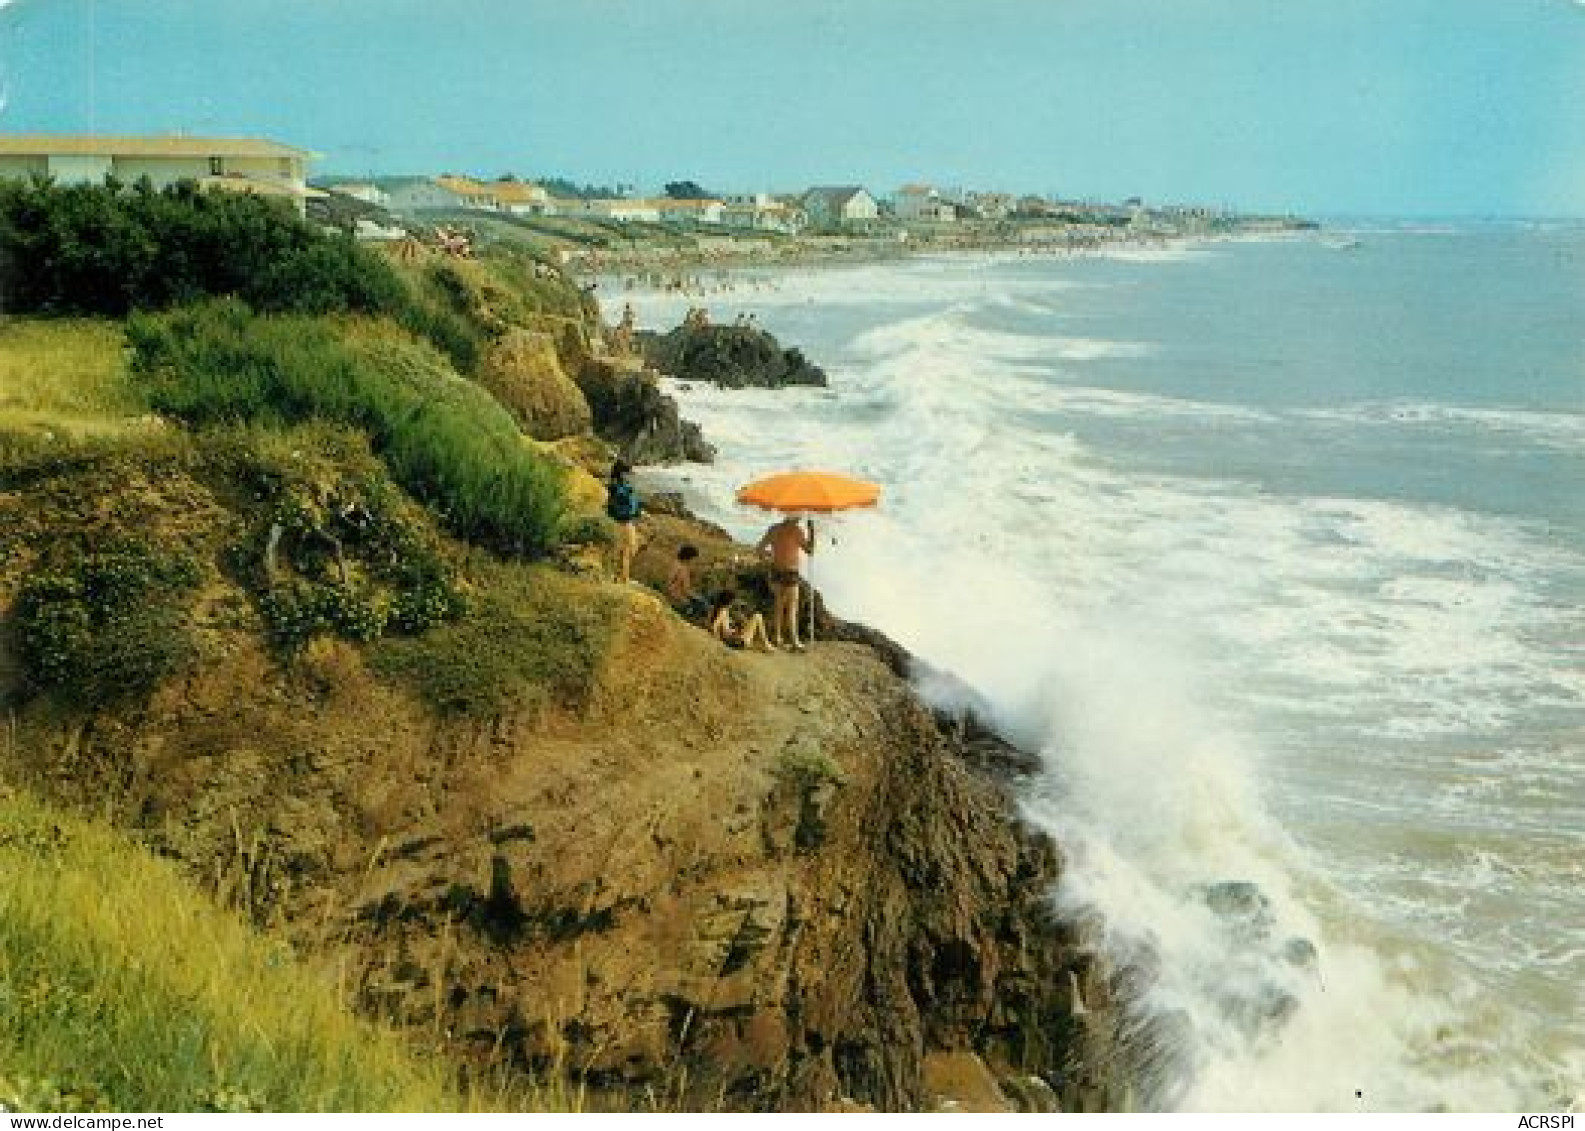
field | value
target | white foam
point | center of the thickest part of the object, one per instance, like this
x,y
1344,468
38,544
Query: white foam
x,y
1168,643
1559,430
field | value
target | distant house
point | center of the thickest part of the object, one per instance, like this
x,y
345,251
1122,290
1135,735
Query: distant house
x,y
522,198
840,206
1035,207
921,202
762,212
992,205
369,194
633,210
690,211
625,210
251,165
421,194
472,193
370,231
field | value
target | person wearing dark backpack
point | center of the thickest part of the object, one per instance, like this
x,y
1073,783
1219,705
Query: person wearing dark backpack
x,y
622,506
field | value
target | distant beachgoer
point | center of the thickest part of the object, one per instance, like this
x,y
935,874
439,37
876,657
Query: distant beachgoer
x,y
622,336
785,543
679,586
622,506
722,628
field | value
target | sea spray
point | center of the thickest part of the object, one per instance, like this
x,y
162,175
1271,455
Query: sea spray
x,y
1284,666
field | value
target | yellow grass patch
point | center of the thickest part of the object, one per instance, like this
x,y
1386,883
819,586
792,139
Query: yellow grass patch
x,y
67,376
123,988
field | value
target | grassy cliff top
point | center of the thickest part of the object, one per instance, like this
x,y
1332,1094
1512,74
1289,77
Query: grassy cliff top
x,y
123,988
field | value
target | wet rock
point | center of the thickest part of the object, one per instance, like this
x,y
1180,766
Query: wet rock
x,y
1242,906
1155,1054
630,411
1300,953
585,890
733,357
1259,1009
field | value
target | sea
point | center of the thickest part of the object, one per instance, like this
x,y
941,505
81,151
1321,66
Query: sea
x,y
1274,551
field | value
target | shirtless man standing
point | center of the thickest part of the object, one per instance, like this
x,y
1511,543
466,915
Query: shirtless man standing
x,y
783,544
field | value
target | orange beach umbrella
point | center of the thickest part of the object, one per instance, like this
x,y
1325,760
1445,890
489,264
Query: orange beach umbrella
x,y
810,491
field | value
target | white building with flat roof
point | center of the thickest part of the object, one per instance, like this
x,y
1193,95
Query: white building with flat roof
x,y
252,165
358,190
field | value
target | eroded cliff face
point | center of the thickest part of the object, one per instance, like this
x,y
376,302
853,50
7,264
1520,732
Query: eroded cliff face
x,y
763,881
792,894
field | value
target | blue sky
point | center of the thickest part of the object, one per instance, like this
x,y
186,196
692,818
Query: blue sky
x,y
1407,107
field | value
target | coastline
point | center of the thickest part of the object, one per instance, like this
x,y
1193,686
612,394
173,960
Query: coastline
x,y
907,369
564,828
665,265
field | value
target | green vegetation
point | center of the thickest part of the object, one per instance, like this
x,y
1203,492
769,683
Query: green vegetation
x,y
359,566
531,636
589,530
123,989
569,189
106,622
445,440
107,250
66,376
688,190
809,767
323,413
502,290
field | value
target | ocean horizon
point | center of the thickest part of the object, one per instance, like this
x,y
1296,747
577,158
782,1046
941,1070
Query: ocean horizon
x,y
1274,551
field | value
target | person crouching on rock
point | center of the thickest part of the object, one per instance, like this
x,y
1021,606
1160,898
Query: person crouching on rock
x,y
623,508
679,586
722,628
784,544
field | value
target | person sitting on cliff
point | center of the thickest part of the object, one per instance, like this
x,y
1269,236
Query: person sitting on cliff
x,y
622,506
679,586
785,543
722,628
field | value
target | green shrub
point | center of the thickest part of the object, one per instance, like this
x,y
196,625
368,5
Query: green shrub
x,y
530,636
333,548
809,766
447,441
588,530
109,623
108,249
297,612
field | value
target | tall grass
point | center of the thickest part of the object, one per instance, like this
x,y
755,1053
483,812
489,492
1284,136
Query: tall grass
x,y
122,988
446,440
459,306
67,377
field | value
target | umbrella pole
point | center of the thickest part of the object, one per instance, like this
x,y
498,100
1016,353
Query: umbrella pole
x,y
811,595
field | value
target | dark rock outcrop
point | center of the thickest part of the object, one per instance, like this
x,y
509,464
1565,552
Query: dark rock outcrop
x,y
631,412
733,357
